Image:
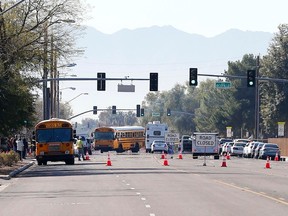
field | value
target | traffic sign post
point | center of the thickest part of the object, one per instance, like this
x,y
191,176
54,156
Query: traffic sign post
x,y
223,85
155,114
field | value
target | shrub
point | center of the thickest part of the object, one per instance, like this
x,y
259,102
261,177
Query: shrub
x,y
8,159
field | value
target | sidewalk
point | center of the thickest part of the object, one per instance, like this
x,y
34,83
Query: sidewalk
x,y
29,161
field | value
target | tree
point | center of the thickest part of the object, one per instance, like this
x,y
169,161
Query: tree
x,y
242,98
25,46
274,101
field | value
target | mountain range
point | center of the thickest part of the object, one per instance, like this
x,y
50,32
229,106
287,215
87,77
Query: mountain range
x,y
166,50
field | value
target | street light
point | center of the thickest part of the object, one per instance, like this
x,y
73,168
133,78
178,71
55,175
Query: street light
x,y
60,96
77,97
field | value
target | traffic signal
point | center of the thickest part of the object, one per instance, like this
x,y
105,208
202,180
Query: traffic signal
x,y
138,110
94,110
251,78
168,112
193,73
142,111
101,84
153,81
113,109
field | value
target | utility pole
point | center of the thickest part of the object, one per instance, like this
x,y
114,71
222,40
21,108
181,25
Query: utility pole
x,y
257,99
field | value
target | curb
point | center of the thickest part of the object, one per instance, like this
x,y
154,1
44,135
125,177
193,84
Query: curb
x,y
17,171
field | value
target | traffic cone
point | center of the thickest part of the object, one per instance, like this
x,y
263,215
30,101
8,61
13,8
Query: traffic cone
x,y
162,156
87,156
108,161
267,166
165,162
228,156
180,155
224,164
276,157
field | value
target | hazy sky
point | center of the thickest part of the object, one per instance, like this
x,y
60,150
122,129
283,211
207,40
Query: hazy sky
x,y
204,17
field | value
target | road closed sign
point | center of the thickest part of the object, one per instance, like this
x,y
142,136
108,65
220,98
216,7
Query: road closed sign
x,y
171,137
205,140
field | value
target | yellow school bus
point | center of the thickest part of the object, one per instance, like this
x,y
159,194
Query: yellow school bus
x,y
54,139
119,139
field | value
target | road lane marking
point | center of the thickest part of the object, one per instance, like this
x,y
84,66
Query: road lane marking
x,y
132,188
262,194
143,198
2,187
152,214
147,206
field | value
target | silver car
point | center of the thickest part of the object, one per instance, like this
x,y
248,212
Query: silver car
x,y
159,146
237,148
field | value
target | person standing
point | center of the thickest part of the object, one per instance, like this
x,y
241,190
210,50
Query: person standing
x,y
80,147
25,148
20,147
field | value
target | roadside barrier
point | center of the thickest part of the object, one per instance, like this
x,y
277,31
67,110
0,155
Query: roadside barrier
x,y
267,166
228,156
109,163
224,164
162,156
87,156
165,162
180,155
276,157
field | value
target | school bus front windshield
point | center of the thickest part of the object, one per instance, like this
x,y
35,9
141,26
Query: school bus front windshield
x,y
54,135
109,135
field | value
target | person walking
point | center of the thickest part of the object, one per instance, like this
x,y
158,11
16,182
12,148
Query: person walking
x,y
20,147
80,147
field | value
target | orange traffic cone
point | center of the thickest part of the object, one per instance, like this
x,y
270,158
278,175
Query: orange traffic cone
x,y
224,164
87,156
165,162
228,156
180,155
276,157
108,161
267,166
162,156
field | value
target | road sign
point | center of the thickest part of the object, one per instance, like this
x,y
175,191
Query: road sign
x,y
171,137
155,114
223,85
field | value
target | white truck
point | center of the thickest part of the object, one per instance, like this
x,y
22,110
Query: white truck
x,y
205,144
154,131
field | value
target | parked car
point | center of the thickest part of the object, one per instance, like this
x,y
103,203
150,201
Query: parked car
x,y
186,143
159,146
237,148
241,140
269,150
257,150
222,141
247,151
254,148
227,147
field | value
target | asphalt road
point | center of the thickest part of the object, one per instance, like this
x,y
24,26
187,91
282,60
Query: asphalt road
x,y
139,184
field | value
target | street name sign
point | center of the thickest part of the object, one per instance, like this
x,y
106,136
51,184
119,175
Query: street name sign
x,y
223,85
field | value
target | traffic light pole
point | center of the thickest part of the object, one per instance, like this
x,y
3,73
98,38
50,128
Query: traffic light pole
x,y
98,110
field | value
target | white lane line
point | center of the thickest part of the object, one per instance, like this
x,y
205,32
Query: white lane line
x,y
143,198
152,214
147,206
127,184
132,188
138,193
